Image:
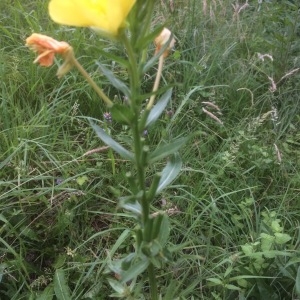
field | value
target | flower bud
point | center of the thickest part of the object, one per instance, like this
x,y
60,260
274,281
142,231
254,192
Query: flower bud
x,y
164,38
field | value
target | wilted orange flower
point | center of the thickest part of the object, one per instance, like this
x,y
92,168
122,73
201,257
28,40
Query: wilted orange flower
x,y
46,47
162,39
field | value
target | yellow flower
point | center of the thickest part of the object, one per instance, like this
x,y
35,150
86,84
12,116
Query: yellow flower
x,y
107,16
46,47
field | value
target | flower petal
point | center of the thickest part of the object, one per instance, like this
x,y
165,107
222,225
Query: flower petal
x,y
105,15
68,12
46,47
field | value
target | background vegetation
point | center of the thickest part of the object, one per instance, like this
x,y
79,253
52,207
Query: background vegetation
x,y
235,230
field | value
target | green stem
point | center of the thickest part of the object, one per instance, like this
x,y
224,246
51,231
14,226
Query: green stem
x,y
152,282
138,147
138,144
134,74
88,78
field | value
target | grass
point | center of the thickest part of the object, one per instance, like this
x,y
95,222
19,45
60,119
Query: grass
x,y
237,233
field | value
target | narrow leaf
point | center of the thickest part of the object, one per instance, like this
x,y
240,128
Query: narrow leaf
x,y
266,291
215,281
232,287
94,291
7,159
135,270
170,172
117,83
47,293
117,286
3,266
130,203
297,284
164,231
159,107
122,113
165,150
61,288
108,53
111,142
133,207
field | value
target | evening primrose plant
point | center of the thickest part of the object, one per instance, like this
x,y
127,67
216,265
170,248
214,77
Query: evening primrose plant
x,y
127,22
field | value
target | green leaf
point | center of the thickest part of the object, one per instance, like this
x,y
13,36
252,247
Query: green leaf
x,y
215,281
266,291
164,231
8,158
117,83
60,260
232,287
135,270
171,290
276,226
242,282
143,41
266,241
281,238
112,143
61,288
29,233
122,237
113,58
169,173
94,291
122,113
131,204
117,286
297,283
126,261
3,266
156,225
81,180
153,248
47,293
165,150
159,107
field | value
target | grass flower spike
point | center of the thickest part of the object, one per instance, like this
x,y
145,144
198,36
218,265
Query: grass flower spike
x,y
108,16
46,47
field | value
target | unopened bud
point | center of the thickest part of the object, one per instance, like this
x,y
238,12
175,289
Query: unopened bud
x,y
164,38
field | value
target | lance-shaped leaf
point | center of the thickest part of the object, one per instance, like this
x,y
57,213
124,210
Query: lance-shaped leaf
x,y
297,284
130,203
111,142
61,289
122,113
170,172
117,286
108,53
165,150
47,293
159,107
135,270
116,82
144,41
164,232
